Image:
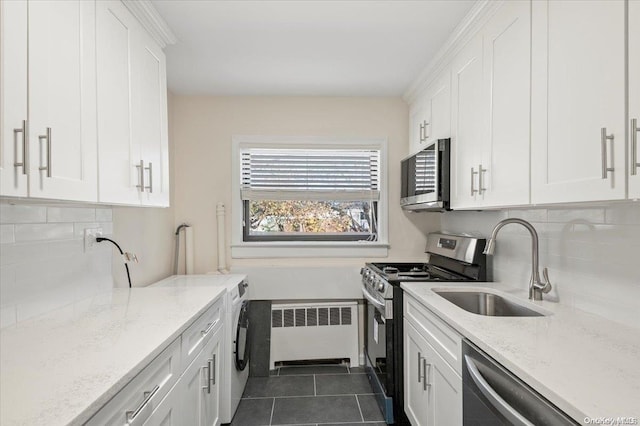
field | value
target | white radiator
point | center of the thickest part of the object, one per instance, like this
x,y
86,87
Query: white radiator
x,y
308,331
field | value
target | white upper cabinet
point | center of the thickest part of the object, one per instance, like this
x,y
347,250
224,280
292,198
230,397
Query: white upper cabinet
x,y
118,152
468,124
634,99
132,111
431,114
13,98
150,120
503,172
578,101
62,100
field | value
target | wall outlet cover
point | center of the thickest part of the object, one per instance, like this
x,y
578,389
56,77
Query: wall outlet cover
x,y
90,235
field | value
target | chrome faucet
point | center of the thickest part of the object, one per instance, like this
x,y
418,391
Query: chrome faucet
x,y
536,285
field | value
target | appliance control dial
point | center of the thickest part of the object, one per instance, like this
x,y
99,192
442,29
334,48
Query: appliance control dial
x,y
380,286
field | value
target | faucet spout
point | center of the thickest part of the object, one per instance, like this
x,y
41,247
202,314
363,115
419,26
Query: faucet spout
x,y
536,285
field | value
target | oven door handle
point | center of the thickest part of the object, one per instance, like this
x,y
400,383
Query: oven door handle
x,y
496,400
372,300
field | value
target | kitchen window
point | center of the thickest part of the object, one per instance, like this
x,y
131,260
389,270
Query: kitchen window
x,y
296,193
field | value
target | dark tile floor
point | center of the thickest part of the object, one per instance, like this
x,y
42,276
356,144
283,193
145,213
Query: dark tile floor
x,y
327,395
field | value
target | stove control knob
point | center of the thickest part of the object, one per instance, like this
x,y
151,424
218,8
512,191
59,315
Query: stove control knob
x,y
380,286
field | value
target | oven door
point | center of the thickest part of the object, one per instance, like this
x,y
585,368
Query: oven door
x,y
379,354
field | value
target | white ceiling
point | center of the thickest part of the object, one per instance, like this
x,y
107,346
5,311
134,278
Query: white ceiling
x,y
326,48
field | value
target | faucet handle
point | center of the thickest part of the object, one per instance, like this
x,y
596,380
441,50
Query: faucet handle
x,y
547,282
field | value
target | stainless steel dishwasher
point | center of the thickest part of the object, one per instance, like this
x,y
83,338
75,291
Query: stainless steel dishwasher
x,y
493,396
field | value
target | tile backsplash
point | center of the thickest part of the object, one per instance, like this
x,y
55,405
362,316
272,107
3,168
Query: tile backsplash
x,y
43,264
593,254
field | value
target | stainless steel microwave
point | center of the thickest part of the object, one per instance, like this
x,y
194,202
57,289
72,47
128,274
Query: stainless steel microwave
x,y
426,178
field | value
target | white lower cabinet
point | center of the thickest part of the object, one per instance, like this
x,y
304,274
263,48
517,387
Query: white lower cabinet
x,y
169,391
199,387
432,386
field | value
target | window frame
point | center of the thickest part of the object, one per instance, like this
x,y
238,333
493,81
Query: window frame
x,y
308,245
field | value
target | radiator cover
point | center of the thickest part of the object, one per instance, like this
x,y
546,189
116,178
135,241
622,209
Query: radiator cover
x,y
308,331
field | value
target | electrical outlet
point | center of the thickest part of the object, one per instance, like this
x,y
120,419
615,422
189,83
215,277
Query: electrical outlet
x,y
90,235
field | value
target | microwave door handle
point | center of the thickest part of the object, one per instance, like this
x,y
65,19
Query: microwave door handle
x,y
496,400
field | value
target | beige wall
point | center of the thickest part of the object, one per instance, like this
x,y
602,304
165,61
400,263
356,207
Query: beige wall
x,y
147,232
202,132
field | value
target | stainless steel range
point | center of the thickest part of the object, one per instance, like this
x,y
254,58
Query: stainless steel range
x,y
450,258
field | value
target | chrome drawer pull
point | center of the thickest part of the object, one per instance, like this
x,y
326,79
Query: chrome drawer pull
x,y
22,164
213,370
208,368
150,187
473,190
603,146
140,168
209,327
419,366
426,381
634,146
47,138
131,415
481,187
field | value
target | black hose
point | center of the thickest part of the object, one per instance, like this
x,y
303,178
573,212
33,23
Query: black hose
x,y
100,239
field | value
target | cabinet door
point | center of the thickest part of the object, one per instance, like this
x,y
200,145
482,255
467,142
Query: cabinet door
x,y
118,152
634,97
468,124
13,97
439,118
505,157
415,392
193,387
212,399
62,100
578,81
416,125
445,388
150,120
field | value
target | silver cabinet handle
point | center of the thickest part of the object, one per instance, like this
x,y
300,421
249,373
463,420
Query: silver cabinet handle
x,y
208,368
426,136
140,168
47,137
426,381
23,131
209,327
150,187
496,400
422,129
213,370
131,415
473,190
419,367
634,146
481,188
603,145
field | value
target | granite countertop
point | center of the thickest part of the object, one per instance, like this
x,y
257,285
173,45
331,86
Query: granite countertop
x,y
585,364
61,367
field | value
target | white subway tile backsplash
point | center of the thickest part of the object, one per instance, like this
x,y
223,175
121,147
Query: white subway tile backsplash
x,y
6,234
70,214
627,214
22,213
529,215
595,215
42,261
43,232
104,215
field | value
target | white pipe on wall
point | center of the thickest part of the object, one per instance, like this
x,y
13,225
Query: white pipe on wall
x,y
222,247
188,250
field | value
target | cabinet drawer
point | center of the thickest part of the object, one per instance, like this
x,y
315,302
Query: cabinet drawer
x,y
140,397
198,334
445,340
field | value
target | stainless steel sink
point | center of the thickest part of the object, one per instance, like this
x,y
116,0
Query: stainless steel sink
x,y
487,304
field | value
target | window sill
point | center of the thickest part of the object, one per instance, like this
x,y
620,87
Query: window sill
x,y
285,249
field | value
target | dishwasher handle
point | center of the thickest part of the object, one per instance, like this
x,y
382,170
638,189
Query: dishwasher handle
x,y
496,400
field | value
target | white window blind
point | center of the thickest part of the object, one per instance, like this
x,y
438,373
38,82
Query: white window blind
x,y
310,174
